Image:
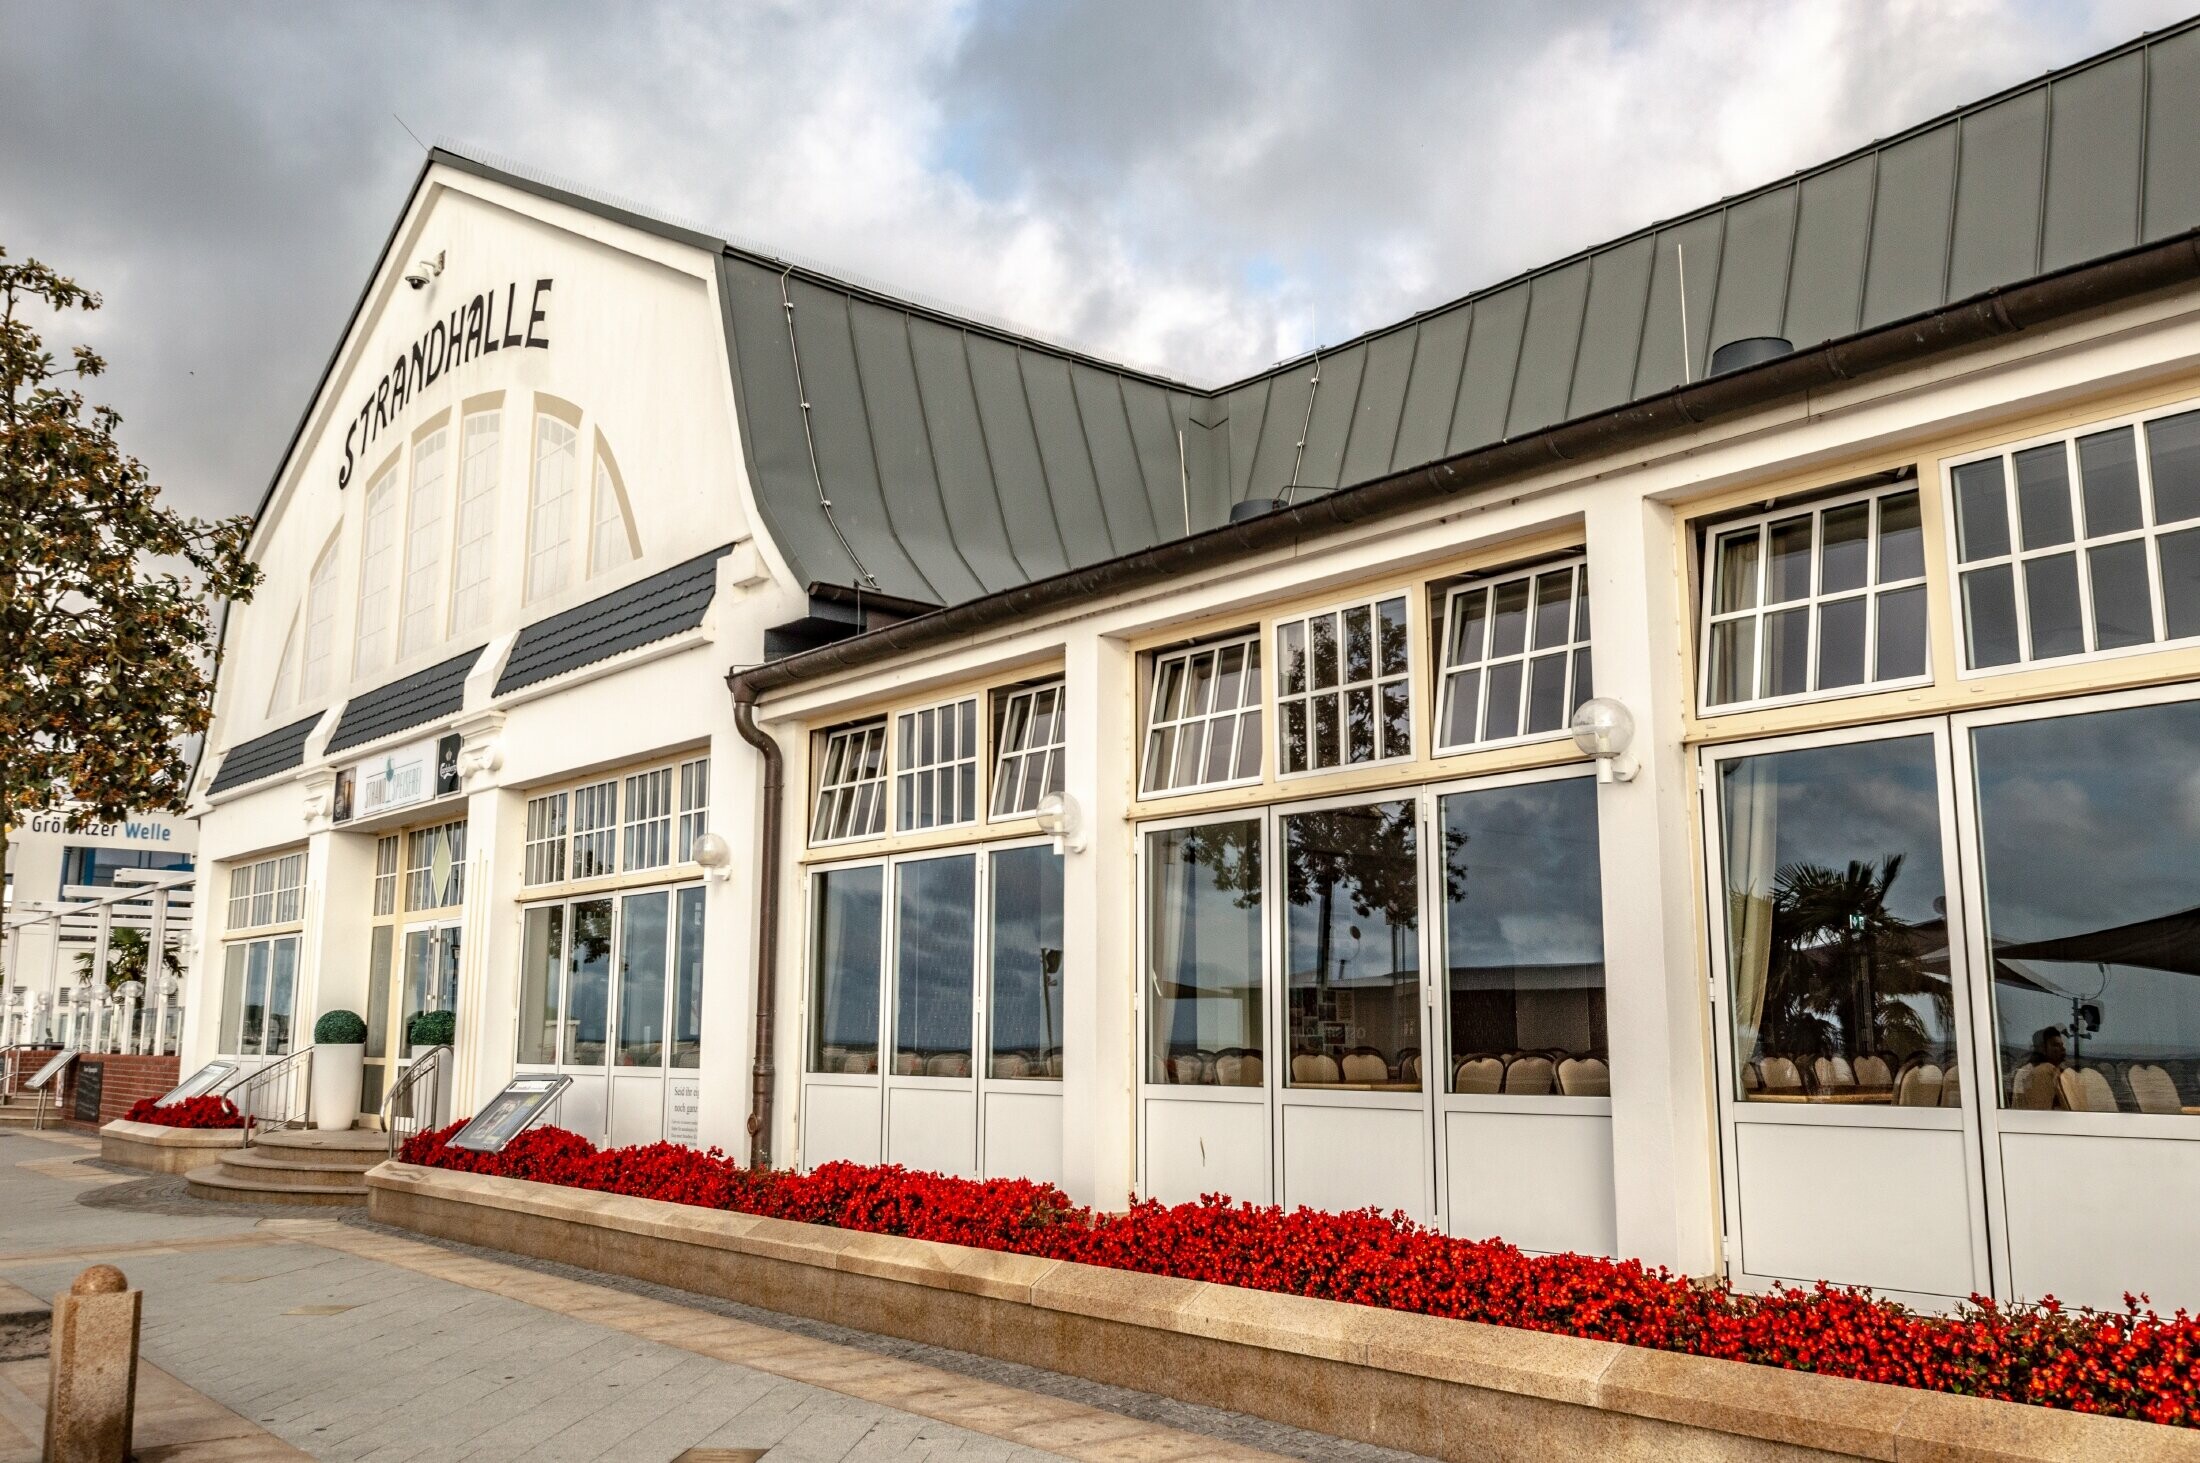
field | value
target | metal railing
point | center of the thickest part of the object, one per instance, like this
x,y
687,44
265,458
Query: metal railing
x,y
12,1059
415,1100
278,1095
86,929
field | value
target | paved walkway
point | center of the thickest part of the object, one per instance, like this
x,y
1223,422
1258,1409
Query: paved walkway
x,y
351,1341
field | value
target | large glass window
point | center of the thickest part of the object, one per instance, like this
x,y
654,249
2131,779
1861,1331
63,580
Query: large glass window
x,y
1816,599
377,574
686,1017
550,508
320,622
935,965
588,983
936,766
844,958
1027,757
612,532
96,867
1516,656
542,947
435,866
1836,930
1352,919
2090,855
1025,947
851,785
1344,687
644,943
259,997
473,566
1203,723
1203,955
1524,940
567,988
420,621
270,891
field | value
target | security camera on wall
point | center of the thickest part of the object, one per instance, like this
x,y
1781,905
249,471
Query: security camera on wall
x,y
427,269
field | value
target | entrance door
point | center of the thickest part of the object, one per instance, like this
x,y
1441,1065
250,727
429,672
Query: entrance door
x,y
427,977
931,1121
1842,1013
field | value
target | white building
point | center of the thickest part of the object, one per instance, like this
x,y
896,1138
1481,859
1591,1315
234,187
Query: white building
x,y
1869,956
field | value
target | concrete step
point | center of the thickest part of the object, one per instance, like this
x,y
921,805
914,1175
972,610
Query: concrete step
x,y
214,1183
272,1169
324,1141
24,1114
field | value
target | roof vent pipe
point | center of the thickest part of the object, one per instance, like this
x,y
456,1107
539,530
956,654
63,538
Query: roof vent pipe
x,y
1250,508
1754,350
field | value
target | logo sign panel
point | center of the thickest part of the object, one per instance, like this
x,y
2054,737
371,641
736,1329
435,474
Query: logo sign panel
x,y
397,779
523,1103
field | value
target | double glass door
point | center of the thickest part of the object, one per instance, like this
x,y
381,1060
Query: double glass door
x,y
1957,1002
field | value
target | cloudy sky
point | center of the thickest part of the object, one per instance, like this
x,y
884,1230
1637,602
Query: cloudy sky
x,y
1203,188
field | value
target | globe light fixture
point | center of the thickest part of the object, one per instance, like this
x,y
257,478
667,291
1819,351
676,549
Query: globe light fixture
x,y
714,854
1060,819
1603,728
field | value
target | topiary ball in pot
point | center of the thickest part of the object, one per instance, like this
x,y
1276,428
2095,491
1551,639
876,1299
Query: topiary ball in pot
x,y
432,1028
340,1028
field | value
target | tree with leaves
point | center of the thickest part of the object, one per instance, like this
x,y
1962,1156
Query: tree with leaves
x,y
107,597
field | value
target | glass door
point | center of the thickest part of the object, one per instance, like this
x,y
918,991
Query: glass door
x,y
1842,1011
428,977
931,1120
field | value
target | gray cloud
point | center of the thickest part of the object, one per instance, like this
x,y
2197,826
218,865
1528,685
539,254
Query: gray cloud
x,y
1200,188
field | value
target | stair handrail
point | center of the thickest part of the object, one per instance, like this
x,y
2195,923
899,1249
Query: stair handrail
x,y
288,1081
425,1070
11,1066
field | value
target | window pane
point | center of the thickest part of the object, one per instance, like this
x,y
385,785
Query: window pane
x,y
1203,955
588,984
1397,721
1199,686
1736,574
2090,899
1026,953
687,980
2043,495
1461,693
845,956
1160,758
1547,708
1787,569
1291,657
1554,606
232,999
1901,538
1326,732
1990,615
1229,678
2181,583
255,998
1391,623
1584,686
541,950
1509,626
2108,467
2051,606
2123,604
1841,642
2173,458
1469,626
1901,649
1295,744
1359,644
1733,659
935,970
1982,510
1352,947
282,991
1359,724
1221,741
644,928
1787,653
378,992
1836,946
1323,638
1168,693
1844,559
1524,940
1501,717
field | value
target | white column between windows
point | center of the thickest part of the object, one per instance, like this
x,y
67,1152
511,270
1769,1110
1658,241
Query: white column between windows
x,y
1665,1170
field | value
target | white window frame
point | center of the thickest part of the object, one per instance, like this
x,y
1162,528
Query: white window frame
x,y
420,619
267,892
2151,532
379,543
1375,684
611,524
473,557
847,749
1014,756
645,829
639,820
549,826
386,850
1812,603
957,743
694,819
1575,648
1252,700
595,819
550,520
419,876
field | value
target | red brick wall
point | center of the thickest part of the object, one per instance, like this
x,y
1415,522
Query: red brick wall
x,y
127,1079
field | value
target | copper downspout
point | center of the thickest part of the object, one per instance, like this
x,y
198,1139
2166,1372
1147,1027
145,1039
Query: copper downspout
x,y
767,917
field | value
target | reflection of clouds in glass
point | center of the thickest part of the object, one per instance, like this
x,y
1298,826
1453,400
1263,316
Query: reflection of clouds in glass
x,y
1863,801
1523,862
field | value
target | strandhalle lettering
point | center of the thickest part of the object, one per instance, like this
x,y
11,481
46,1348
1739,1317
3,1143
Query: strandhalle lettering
x,y
472,330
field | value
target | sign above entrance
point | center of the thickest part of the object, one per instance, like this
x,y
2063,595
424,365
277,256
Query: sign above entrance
x,y
405,775
510,1113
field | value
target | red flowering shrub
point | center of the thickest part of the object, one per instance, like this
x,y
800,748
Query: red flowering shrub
x,y
192,1112
2130,1364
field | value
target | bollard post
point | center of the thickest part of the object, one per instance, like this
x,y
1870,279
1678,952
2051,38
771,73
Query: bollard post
x,y
91,1388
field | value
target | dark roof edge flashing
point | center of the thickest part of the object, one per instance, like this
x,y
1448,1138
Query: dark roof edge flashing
x,y
1906,342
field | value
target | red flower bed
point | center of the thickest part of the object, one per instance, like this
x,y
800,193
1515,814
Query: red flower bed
x,y
192,1112
2130,1364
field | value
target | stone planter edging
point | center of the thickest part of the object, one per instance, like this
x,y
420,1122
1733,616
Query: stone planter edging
x,y
158,1149
1444,1388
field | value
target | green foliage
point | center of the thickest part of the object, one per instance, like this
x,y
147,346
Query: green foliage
x,y
339,1028
126,959
107,597
432,1028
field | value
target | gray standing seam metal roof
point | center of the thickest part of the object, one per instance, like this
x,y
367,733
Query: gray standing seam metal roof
x,y
409,701
645,611
265,755
960,460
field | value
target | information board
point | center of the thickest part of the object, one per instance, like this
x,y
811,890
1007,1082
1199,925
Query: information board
x,y
521,1105
201,1082
47,1073
91,1086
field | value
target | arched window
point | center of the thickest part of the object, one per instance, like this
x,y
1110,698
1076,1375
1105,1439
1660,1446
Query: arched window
x,y
612,536
320,621
473,562
286,671
550,506
420,624
377,573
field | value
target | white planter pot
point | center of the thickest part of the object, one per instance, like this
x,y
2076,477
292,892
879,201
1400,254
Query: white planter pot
x,y
337,1074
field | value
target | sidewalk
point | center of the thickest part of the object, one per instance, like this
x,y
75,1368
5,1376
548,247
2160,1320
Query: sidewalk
x,y
354,1342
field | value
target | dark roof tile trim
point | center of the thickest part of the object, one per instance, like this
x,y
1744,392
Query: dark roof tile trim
x,y
264,756
647,610
423,696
